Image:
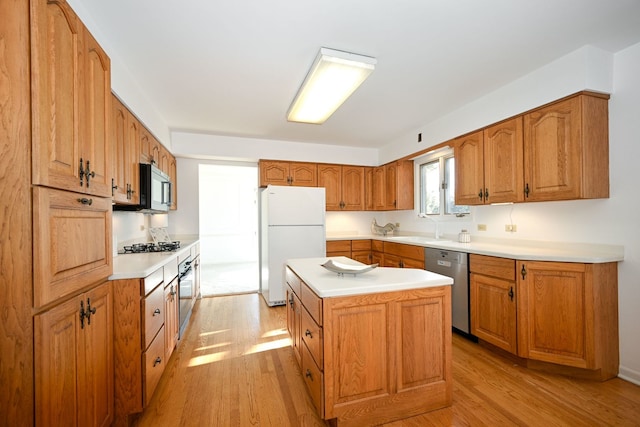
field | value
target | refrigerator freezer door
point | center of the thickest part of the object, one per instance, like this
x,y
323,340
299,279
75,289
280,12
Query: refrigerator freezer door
x,y
295,205
286,242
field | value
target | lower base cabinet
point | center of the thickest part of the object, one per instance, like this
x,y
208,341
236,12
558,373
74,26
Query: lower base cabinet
x,y
74,361
370,359
556,316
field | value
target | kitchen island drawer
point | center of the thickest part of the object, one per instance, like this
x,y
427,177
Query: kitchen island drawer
x,y
312,302
312,336
314,380
293,281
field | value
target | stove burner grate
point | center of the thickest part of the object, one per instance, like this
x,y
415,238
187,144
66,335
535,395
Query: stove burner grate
x,y
137,248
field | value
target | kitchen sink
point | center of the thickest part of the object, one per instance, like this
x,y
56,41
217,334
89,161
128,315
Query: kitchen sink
x,y
416,239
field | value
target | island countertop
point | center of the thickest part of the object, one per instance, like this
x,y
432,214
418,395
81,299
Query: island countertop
x,y
327,284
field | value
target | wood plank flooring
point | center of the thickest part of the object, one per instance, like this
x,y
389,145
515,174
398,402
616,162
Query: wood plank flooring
x,y
234,367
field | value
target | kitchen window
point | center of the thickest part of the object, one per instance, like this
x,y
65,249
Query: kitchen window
x,y
437,184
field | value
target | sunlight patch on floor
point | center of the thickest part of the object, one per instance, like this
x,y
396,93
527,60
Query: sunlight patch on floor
x,y
269,345
208,358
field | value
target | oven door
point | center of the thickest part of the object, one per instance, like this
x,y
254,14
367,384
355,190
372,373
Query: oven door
x,y
186,295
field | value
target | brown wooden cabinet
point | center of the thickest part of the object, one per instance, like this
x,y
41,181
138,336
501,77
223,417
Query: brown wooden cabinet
x,y
173,176
359,250
493,301
71,243
367,358
74,361
171,321
400,255
489,165
568,315
339,248
127,132
149,148
277,172
344,186
398,194
71,106
379,188
140,335
566,149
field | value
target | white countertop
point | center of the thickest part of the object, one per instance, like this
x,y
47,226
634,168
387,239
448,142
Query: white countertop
x,y
382,279
527,250
138,266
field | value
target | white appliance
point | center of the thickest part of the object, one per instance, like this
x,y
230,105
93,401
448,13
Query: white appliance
x,y
292,225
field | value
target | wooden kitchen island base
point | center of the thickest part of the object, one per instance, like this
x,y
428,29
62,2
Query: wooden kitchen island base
x,y
374,357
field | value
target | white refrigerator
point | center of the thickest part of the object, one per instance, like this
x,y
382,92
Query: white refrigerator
x,y
292,225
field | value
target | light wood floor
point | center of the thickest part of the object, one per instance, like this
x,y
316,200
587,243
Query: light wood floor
x,y
234,367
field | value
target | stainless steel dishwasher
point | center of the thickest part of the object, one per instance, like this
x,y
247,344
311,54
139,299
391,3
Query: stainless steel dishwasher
x,y
454,265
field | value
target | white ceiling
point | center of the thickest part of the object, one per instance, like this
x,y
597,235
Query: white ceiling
x,y
232,67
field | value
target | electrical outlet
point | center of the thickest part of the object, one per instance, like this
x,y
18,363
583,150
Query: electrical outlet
x,y
482,227
511,228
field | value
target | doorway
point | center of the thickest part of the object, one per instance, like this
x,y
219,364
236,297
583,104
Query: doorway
x,y
228,229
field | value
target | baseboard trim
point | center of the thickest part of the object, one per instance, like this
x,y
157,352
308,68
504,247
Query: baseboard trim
x,y
629,375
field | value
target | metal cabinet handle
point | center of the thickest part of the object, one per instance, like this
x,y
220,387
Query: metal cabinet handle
x,y
480,193
511,293
156,311
309,375
523,272
86,201
157,361
308,333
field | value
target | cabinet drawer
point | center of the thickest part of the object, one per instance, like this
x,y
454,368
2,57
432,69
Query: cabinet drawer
x,y
293,281
312,336
152,280
312,302
377,245
314,380
71,243
340,253
361,245
153,312
338,246
404,251
501,268
153,366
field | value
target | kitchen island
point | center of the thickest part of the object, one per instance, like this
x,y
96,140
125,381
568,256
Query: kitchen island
x,y
373,347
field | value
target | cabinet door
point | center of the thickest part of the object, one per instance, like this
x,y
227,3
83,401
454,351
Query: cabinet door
x,y
362,256
145,146
553,302
552,156
96,118
173,176
132,158
493,311
392,261
58,337
120,150
98,394
353,189
503,162
391,189
330,177
379,188
72,242
164,160
273,172
303,174
294,319
171,319
368,189
74,361
58,101
469,155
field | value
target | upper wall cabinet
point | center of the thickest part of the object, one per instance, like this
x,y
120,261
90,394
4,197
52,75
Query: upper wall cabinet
x,y
489,165
398,185
71,85
344,185
566,149
288,173
126,136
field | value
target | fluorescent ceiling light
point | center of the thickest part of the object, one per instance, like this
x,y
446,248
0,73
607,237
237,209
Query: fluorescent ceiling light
x,y
334,76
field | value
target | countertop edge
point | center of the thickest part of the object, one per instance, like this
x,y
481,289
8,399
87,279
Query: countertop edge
x,y
144,269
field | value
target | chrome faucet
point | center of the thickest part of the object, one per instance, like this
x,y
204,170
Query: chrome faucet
x,y
437,233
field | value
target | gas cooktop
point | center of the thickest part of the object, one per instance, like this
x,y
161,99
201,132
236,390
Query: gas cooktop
x,y
138,248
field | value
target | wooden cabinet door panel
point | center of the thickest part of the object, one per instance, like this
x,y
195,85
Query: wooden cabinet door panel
x,y
274,172
368,189
98,396
171,319
173,176
469,155
96,149
132,154
552,156
391,186
553,305
58,100
330,177
493,311
503,162
362,256
379,188
72,242
304,174
120,151
353,196
153,366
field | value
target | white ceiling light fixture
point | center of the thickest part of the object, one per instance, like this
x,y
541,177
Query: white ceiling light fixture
x,y
334,76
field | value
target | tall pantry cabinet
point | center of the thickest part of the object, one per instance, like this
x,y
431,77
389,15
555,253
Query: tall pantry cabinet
x,y
71,230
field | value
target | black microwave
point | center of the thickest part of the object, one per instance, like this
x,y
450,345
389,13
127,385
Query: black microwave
x,y
155,191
